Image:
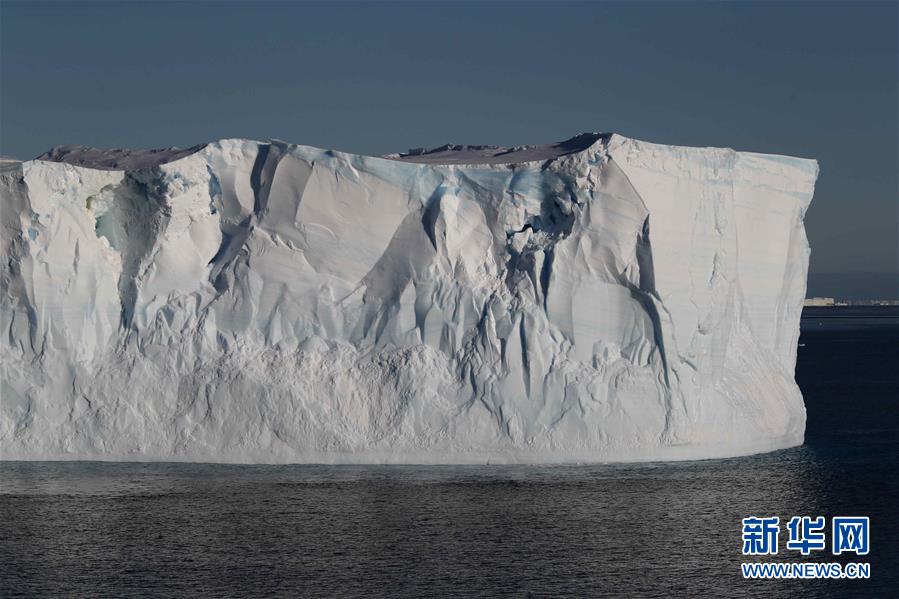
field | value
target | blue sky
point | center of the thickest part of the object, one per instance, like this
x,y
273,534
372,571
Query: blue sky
x,y
813,79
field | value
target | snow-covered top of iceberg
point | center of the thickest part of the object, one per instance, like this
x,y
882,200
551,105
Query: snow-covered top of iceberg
x,y
117,159
445,155
467,154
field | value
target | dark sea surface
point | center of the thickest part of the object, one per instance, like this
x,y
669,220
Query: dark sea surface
x,y
650,530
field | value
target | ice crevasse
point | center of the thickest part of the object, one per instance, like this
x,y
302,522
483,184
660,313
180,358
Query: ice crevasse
x,y
600,299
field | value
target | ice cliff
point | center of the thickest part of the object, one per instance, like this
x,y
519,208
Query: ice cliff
x,y
600,299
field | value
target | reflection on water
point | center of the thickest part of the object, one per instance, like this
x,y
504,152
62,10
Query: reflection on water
x,y
642,530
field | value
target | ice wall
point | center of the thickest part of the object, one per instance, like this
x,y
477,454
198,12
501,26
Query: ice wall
x,y
601,299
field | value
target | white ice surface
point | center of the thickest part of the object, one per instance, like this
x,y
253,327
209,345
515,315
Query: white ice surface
x,y
601,299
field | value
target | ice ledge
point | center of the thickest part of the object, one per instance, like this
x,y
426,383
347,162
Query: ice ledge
x,y
668,453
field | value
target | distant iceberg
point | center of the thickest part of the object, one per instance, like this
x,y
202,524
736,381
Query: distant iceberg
x,y
600,299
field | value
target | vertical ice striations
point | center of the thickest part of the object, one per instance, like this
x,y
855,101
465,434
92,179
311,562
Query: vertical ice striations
x,y
601,299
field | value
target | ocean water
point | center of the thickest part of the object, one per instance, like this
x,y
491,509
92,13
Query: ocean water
x,y
649,530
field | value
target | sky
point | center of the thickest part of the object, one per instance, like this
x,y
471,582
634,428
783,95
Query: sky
x,y
810,79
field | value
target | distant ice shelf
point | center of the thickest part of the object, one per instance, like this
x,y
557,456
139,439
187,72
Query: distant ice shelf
x,y
600,299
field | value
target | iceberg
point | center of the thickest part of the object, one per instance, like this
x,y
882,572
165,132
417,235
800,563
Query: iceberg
x,y
596,300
